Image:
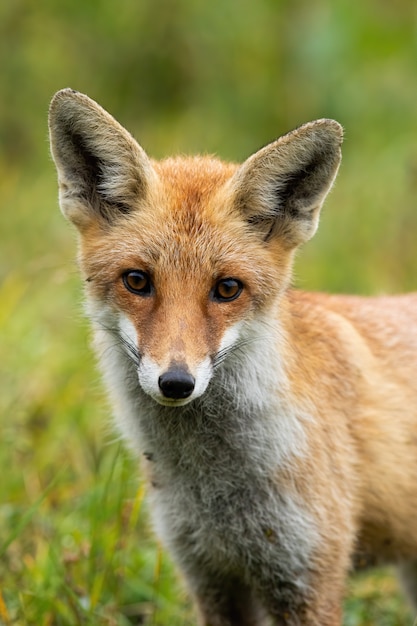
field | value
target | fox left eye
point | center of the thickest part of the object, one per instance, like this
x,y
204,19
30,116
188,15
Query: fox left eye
x,y
137,282
227,289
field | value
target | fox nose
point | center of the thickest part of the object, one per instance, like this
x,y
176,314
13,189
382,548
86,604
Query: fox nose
x,y
176,384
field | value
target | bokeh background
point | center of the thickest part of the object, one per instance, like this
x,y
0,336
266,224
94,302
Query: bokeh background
x,y
221,77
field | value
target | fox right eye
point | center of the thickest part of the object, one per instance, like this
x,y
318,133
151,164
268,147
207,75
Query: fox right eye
x,y
137,282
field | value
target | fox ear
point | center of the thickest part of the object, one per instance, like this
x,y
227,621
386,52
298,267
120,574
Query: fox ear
x,y
281,188
101,168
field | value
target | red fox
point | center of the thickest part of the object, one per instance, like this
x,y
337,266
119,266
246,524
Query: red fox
x,y
279,427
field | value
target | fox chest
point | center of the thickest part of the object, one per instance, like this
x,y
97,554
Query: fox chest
x,y
232,519
216,494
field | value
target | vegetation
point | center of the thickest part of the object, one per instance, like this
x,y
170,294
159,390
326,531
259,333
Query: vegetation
x,y
183,76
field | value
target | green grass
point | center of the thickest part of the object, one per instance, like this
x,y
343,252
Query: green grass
x,y
82,554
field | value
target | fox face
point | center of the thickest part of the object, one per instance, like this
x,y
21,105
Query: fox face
x,y
179,256
180,294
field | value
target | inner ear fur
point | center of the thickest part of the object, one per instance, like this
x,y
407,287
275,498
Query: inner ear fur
x,y
280,189
102,170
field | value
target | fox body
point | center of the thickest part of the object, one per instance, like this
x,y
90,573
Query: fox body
x,y
279,427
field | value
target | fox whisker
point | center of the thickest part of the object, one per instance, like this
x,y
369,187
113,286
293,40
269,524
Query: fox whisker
x,y
125,343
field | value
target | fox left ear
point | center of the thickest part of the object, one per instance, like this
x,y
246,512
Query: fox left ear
x,y
281,188
102,170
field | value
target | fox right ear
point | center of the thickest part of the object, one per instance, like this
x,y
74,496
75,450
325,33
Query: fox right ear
x,y
280,189
101,169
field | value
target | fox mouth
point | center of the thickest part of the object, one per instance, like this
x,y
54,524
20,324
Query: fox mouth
x,y
173,402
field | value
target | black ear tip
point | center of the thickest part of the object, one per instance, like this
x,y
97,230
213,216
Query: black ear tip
x,y
335,130
65,92
325,130
331,130
58,98
70,98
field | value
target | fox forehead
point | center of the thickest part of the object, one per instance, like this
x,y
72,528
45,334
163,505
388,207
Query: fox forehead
x,y
190,201
189,179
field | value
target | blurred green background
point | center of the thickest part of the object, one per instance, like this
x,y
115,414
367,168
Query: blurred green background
x,y
183,76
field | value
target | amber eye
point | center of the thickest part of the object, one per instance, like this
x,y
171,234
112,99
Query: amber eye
x,y
227,289
137,282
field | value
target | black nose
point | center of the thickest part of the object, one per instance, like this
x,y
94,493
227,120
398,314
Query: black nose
x,y
176,383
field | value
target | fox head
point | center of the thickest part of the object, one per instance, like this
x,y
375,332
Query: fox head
x,y
180,256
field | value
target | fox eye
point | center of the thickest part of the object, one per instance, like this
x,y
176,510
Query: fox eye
x,y
227,289
137,282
